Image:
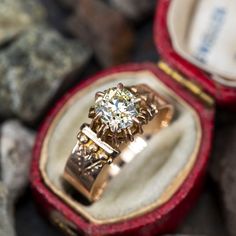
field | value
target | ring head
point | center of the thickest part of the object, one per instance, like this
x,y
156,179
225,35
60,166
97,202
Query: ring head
x,y
117,108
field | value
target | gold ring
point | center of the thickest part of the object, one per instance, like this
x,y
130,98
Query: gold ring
x,y
123,120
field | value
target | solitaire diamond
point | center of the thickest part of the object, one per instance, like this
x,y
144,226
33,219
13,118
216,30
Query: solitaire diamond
x,y
118,108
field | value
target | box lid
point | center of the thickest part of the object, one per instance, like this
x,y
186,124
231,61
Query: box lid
x,y
224,95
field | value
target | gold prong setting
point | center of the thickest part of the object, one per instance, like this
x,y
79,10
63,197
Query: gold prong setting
x,y
119,113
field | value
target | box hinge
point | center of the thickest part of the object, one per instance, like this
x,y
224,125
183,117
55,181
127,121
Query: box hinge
x,y
189,85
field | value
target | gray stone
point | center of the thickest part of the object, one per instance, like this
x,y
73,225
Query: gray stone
x,y
223,166
105,30
15,155
70,4
184,235
16,150
134,9
6,216
34,68
17,15
204,219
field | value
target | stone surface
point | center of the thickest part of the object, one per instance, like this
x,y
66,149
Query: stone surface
x,y
223,166
70,4
6,216
15,151
17,15
204,218
27,211
183,235
15,155
134,9
34,68
118,107
104,29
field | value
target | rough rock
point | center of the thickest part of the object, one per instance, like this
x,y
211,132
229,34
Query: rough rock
x,y
183,235
15,155
70,4
17,15
134,9
204,218
105,29
223,165
16,145
34,68
6,216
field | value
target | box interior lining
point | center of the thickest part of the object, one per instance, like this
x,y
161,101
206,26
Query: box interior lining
x,y
146,183
203,33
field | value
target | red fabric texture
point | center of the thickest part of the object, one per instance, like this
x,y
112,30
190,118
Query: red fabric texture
x,y
165,218
225,96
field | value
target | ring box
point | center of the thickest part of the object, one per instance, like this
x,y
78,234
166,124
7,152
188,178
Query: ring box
x,y
155,192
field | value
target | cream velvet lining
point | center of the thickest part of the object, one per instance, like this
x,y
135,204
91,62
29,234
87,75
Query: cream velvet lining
x,y
147,182
203,32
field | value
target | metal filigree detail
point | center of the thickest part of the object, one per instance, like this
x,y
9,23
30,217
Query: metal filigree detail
x,y
91,158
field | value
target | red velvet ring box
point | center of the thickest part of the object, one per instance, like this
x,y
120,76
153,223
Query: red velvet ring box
x,y
154,193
